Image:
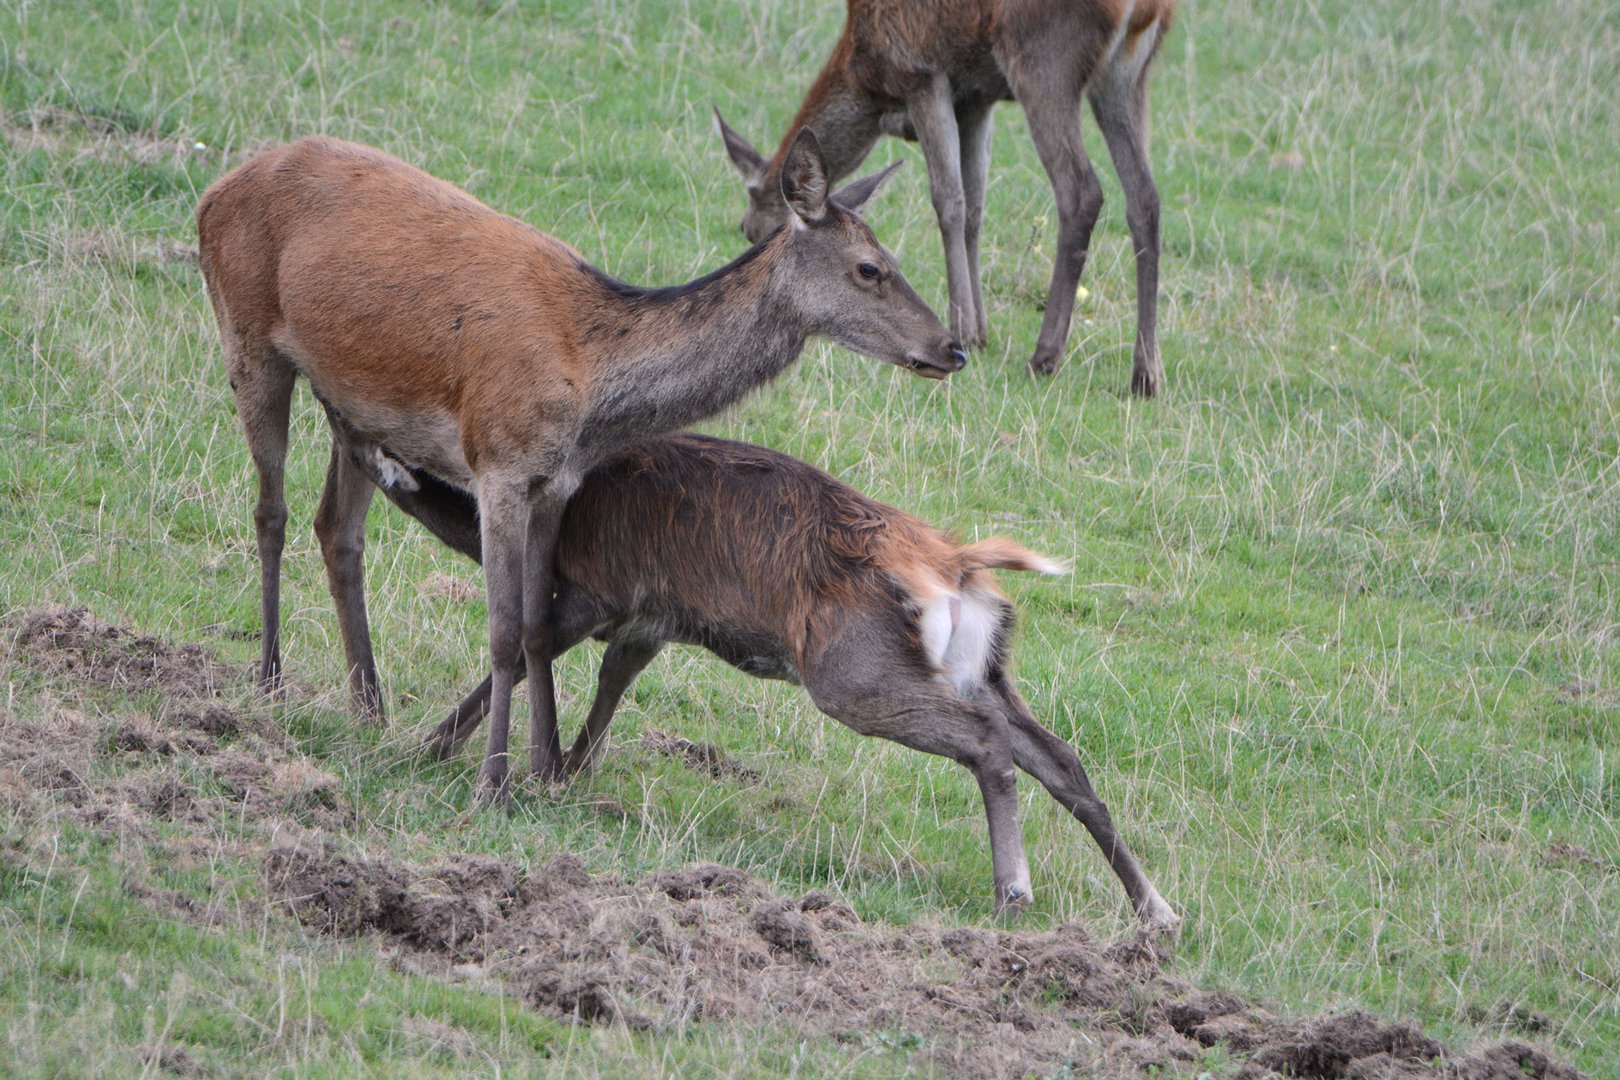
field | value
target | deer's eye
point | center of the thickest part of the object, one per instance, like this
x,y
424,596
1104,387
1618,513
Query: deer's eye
x,y
867,271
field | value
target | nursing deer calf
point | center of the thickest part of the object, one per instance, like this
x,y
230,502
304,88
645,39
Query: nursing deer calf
x,y
496,358
787,573
932,72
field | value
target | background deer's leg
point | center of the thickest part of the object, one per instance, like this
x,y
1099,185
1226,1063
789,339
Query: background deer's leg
x,y
1120,104
976,128
934,117
1050,93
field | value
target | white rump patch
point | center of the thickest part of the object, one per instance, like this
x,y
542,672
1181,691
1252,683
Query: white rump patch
x,y
1123,63
958,633
967,657
393,472
936,627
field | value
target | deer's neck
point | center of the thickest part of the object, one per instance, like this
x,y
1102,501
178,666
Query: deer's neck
x,y
672,357
842,114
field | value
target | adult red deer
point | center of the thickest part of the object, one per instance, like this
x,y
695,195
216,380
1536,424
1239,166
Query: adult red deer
x,y
783,571
932,71
497,358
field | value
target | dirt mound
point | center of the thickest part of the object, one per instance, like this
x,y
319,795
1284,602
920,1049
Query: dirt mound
x,y
1513,1061
711,943
698,944
53,757
700,757
443,908
74,644
124,771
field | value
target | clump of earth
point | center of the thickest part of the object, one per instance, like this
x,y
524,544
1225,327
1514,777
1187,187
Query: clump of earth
x,y
704,944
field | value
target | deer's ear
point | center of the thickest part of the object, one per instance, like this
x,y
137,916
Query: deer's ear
x,y
804,178
748,161
856,195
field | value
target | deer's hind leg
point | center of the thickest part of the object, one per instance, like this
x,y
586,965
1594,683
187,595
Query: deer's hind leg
x,y
1055,764
1048,67
1119,101
879,688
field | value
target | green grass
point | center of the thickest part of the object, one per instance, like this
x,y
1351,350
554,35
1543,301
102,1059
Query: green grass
x,y
1341,640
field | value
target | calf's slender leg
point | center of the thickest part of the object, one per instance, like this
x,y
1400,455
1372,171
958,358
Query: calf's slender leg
x,y
1055,764
624,660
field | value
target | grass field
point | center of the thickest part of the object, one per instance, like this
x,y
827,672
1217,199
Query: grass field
x,y
1341,646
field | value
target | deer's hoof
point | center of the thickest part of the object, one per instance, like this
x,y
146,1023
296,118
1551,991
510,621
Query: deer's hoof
x,y
1014,902
270,680
573,764
371,711
1145,384
1045,363
494,792
1159,917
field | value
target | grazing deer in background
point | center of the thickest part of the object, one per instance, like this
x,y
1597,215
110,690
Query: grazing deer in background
x,y
787,573
932,71
499,360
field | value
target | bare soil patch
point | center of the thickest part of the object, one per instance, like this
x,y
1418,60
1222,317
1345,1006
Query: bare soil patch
x,y
700,757
76,646
683,946
713,944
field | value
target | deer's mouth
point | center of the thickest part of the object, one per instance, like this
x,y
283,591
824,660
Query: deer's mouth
x,y
936,369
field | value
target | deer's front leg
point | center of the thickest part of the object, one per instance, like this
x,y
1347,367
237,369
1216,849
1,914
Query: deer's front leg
x,y
463,720
340,526
934,117
624,660
504,512
539,576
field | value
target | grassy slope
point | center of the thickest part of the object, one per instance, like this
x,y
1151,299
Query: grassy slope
x,y
1341,633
